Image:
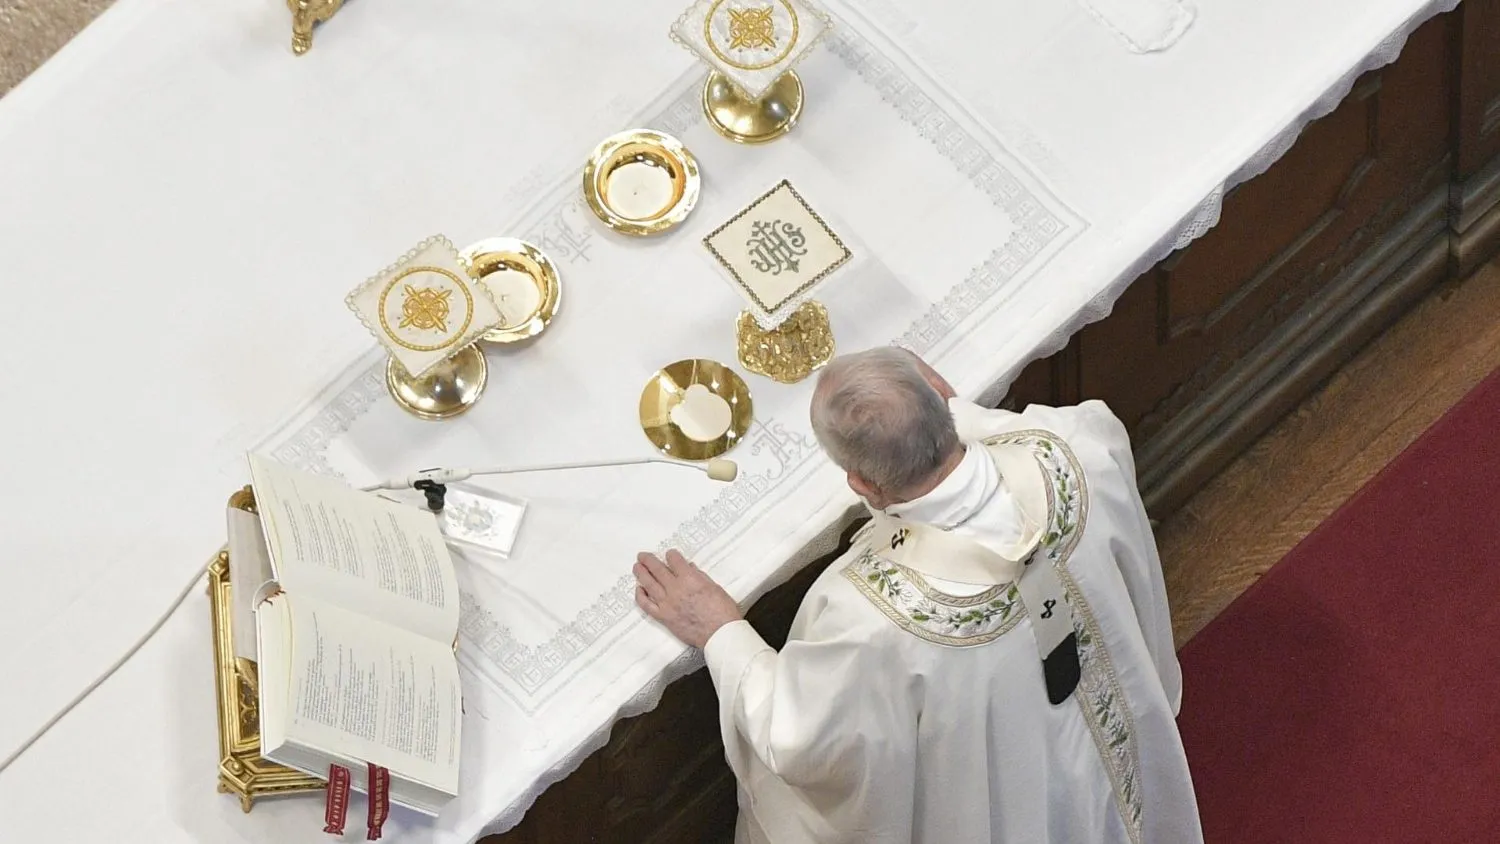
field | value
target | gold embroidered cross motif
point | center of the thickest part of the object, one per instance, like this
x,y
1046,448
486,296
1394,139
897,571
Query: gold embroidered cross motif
x,y
425,308
752,29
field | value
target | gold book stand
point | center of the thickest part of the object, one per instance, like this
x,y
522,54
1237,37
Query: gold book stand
x,y
305,15
242,771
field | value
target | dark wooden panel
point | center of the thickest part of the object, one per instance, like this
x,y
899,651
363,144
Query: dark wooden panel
x,y
1475,200
1051,381
1306,347
1478,102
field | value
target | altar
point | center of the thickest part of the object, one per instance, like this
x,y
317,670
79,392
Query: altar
x,y
1047,212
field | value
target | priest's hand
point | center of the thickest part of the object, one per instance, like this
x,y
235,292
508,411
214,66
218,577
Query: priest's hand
x,y
686,601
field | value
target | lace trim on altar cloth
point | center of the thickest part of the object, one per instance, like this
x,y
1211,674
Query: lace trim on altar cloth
x,y
908,601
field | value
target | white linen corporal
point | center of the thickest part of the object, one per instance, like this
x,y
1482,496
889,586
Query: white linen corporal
x,y
897,712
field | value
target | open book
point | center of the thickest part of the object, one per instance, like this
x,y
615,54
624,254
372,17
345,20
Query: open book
x,y
356,637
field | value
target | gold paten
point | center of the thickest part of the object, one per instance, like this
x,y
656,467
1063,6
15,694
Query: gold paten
x,y
305,15
446,390
642,146
242,771
507,253
791,351
665,391
752,121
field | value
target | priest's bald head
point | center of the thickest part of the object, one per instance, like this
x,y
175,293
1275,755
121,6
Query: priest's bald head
x,y
882,415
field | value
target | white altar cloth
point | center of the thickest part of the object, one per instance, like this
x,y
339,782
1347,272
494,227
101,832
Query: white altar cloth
x,y
200,201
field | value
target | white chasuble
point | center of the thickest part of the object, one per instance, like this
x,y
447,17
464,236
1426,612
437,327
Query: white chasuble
x,y
909,703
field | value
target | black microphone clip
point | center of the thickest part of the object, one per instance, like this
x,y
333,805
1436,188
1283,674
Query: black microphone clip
x,y
434,492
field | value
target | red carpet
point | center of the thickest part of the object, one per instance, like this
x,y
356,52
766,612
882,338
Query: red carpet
x,y
1353,693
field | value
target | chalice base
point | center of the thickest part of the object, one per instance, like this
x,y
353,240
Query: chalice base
x,y
752,121
792,350
445,391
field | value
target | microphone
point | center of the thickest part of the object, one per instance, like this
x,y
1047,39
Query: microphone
x,y
718,469
722,469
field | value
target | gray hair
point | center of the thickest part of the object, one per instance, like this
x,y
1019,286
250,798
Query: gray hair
x,y
878,417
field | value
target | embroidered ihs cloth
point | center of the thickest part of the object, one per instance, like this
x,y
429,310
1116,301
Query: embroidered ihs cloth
x,y
908,708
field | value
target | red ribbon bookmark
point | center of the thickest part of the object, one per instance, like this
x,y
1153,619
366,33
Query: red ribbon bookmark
x,y
380,800
336,807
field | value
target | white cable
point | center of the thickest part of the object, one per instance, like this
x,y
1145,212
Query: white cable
x,y
181,596
718,468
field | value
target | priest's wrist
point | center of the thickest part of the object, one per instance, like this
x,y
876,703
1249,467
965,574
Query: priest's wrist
x,y
713,627
724,631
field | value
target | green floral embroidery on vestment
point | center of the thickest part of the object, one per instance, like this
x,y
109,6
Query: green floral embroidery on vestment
x,y
909,601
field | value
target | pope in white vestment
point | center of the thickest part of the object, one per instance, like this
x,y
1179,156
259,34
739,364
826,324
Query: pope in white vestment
x,y
910,703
